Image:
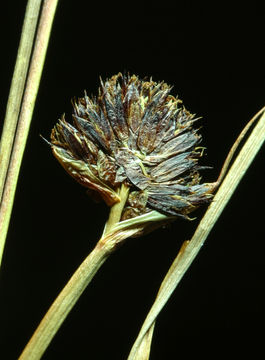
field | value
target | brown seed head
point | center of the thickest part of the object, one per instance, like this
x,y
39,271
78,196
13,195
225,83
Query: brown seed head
x,y
136,133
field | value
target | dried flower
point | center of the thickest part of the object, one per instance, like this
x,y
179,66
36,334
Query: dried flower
x,y
135,133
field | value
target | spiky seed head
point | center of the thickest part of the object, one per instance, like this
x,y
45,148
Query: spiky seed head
x,y
134,132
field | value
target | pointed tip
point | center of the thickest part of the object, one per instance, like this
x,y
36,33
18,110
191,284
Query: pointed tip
x,y
47,142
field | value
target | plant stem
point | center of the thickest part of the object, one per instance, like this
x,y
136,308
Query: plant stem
x,y
33,80
64,303
17,86
143,350
70,294
190,249
116,209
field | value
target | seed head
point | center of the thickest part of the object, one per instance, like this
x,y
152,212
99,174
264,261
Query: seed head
x,y
134,132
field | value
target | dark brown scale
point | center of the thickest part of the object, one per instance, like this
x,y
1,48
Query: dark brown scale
x,y
134,116
162,126
106,168
88,130
173,167
152,117
170,189
120,114
180,143
106,128
133,170
162,205
74,142
147,134
118,125
91,150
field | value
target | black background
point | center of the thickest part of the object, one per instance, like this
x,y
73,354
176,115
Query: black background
x,y
214,56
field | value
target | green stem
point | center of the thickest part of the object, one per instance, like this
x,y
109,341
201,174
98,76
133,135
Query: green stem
x,y
116,210
70,294
64,303
190,249
33,80
17,86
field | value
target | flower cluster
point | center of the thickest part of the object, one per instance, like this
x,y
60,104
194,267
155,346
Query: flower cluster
x,y
134,132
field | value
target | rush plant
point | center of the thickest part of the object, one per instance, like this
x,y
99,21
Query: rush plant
x,y
134,146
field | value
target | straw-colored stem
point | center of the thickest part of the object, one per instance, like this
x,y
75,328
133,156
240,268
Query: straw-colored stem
x,y
17,87
115,212
144,349
191,248
70,294
233,149
64,303
32,85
